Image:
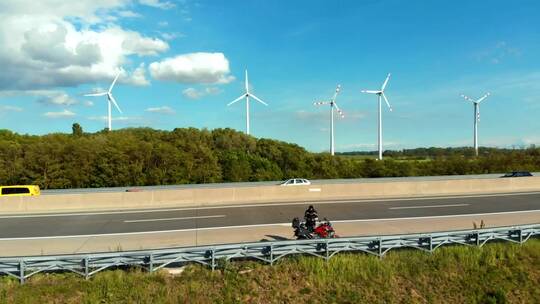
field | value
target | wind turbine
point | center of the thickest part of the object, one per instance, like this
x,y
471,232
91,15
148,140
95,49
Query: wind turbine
x,y
476,104
380,95
110,99
247,95
333,105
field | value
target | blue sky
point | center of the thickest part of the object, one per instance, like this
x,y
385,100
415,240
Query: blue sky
x,y
181,62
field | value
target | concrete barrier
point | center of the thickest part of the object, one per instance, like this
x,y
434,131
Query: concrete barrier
x,y
263,194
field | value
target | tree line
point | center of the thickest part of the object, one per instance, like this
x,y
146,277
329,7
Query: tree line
x,y
144,156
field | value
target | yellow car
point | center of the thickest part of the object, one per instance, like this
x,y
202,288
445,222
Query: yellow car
x,y
22,190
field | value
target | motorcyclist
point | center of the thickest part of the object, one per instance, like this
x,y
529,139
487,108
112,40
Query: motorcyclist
x,y
300,230
311,217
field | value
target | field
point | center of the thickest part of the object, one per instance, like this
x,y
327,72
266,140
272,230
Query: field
x,y
496,273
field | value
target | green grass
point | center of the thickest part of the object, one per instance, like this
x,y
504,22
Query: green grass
x,y
496,273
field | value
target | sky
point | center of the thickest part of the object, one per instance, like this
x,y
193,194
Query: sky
x,y
182,61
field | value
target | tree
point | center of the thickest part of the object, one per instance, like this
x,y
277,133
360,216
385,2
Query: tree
x,y
76,130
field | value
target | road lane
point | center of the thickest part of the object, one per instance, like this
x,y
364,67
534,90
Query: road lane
x,y
197,218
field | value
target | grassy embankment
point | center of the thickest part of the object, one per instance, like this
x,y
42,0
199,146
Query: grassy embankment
x,y
496,273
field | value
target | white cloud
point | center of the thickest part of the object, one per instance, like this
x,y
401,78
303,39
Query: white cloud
x,y
193,93
139,76
193,68
129,14
88,103
57,98
171,36
158,4
497,53
7,108
161,110
134,43
62,114
51,43
163,23
88,11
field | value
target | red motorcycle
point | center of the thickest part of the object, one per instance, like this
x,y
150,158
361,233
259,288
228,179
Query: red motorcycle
x,y
322,231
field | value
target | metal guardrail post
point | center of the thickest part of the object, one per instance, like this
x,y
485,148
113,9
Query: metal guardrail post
x,y
21,271
271,254
326,249
213,259
430,244
380,248
477,238
151,263
520,237
86,268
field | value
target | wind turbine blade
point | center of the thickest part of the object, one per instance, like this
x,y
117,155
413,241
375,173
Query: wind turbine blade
x,y
338,88
385,82
111,98
482,98
247,82
320,103
467,98
386,100
257,99
237,99
96,94
339,110
371,92
114,81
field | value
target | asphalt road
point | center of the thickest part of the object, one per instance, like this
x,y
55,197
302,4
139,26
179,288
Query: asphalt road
x,y
99,223
273,183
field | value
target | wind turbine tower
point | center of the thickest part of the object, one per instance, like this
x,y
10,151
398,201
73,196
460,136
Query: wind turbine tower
x,y
333,105
476,104
247,95
380,96
110,99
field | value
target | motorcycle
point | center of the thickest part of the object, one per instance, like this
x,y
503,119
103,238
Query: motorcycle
x,y
322,231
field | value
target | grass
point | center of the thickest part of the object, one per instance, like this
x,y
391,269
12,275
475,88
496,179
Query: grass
x,y
496,273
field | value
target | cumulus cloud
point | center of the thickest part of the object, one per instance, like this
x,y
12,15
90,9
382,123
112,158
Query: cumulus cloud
x,y
62,114
8,108
138,77
158,4
51,43
193,93
161,110
88,11
129,14
193,68
171,36
57,98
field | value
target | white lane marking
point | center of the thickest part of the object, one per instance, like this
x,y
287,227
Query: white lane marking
x,y
173,218
306,202
314,189
259,225
427,206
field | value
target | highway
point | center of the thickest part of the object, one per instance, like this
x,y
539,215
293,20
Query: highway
x,y
273,183
246,216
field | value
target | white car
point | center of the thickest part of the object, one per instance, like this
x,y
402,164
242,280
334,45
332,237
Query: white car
x,y
296,182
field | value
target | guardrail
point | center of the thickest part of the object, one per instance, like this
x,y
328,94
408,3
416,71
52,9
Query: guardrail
x,y
269,252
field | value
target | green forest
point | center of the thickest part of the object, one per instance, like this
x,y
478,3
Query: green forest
x,y
144,156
